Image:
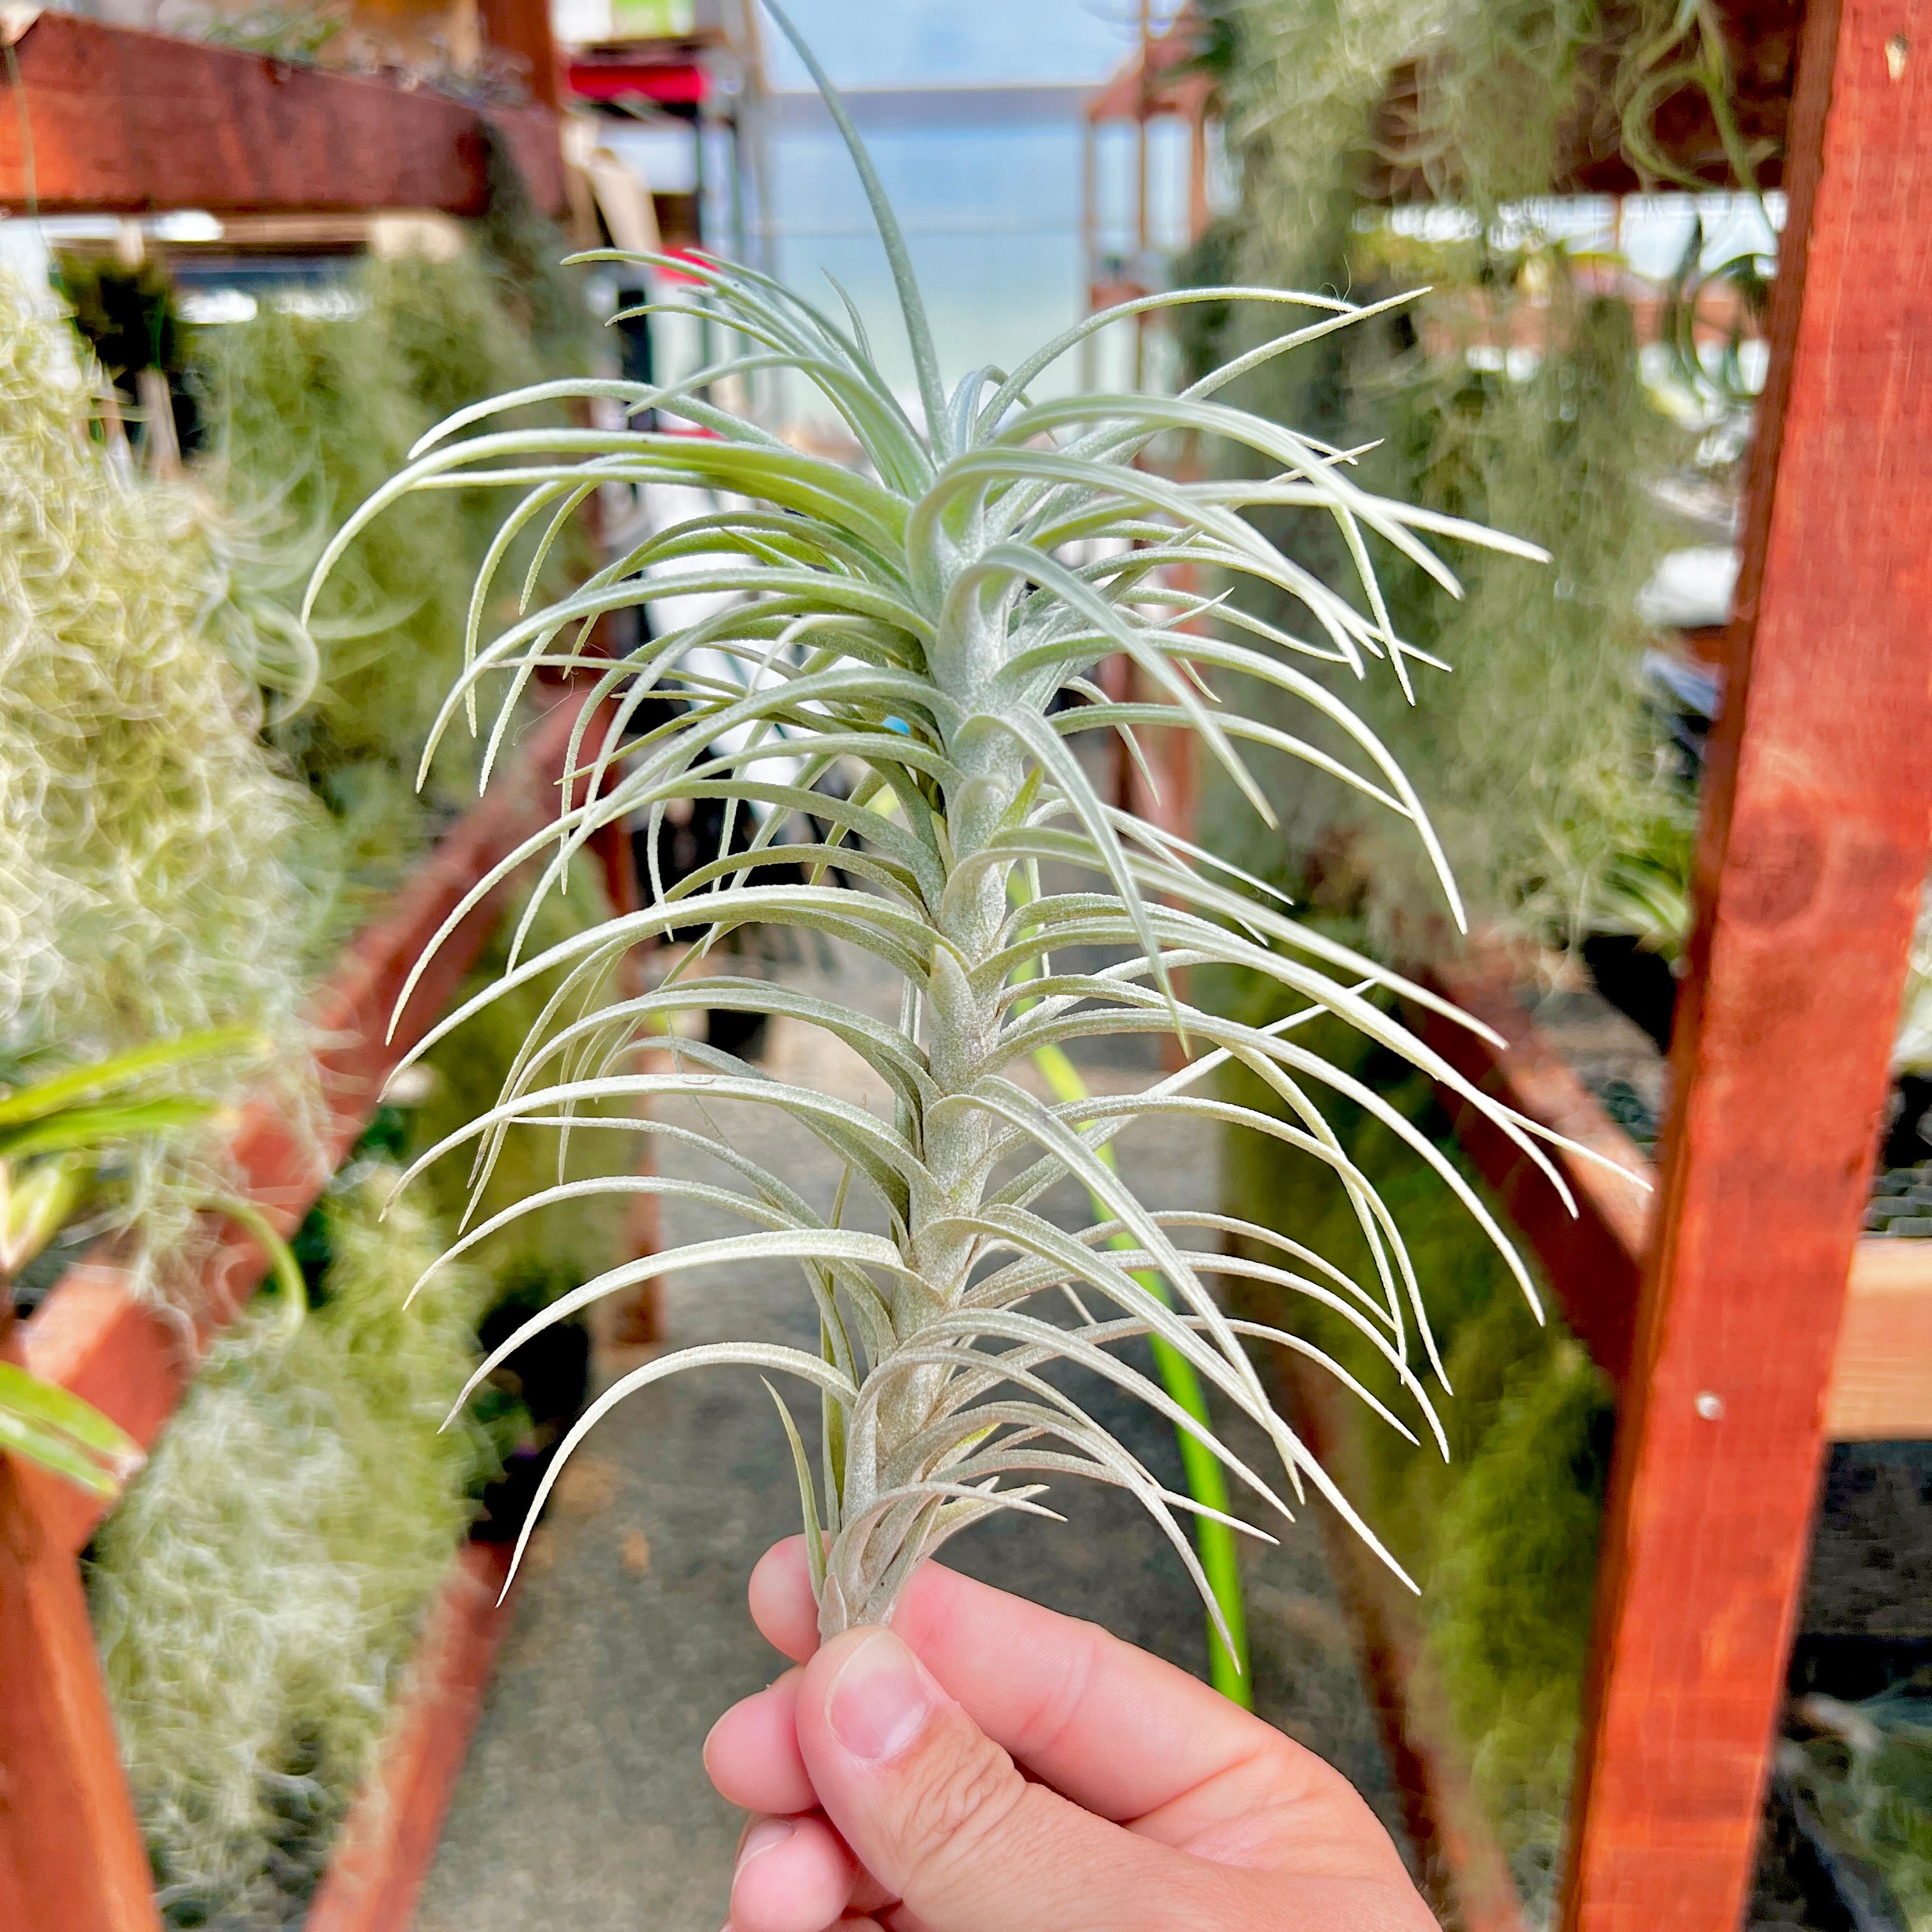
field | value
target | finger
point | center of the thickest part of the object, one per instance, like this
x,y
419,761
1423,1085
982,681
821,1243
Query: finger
x,y
782,1607
1119,1732
793,1875
846,1924
751,1755
941,1816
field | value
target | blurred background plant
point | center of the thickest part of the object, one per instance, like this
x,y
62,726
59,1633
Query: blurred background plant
x,y
257,1593
147,885
1514,388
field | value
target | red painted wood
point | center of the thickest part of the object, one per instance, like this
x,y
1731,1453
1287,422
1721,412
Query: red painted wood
x,y
1881,1388
70,1852
132,1361
1811,852
127,122
1592,1258
521,29
389,1839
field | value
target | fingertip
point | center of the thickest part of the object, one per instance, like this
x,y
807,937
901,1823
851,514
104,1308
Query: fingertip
x,y
793,1875
751,1754
782,1604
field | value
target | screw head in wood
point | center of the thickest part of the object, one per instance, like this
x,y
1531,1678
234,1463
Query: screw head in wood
x,y
1709,1405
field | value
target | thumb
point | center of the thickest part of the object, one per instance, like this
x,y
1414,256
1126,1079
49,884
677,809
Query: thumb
x,y
939,1814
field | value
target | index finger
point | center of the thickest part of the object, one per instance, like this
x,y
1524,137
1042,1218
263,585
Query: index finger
x,y
1116,1730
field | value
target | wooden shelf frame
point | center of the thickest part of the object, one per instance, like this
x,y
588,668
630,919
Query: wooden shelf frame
x,y
1811,855
111,120
71,1854
1745,1322
1880,1388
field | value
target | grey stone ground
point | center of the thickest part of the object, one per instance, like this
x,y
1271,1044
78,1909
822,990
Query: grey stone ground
x,y
583,1806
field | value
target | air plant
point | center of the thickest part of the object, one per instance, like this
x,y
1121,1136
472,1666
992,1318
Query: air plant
x,y
905,665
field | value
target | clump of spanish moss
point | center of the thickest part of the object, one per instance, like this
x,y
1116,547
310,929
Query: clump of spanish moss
x,y
1493,100
307,414
257,1593
1508,392
144,886
1545,761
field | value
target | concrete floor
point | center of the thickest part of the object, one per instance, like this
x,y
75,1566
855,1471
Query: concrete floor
x,y
583,1805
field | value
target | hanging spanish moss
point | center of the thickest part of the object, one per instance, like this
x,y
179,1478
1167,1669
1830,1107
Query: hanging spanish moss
x,y
1509,390
308,413
146,889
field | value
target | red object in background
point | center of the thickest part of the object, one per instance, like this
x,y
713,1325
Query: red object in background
x,y
1811,855
693,255
670,83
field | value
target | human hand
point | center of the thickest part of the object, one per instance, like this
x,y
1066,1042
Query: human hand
x,y
894,1775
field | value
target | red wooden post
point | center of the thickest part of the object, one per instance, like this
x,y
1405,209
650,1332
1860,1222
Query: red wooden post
x,y
70,1852
1811,853
521,29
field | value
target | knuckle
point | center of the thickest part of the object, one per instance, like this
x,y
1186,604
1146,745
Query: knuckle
x,y
960,1800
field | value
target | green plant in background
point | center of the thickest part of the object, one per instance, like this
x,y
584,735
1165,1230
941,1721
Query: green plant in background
x,y
1500,90
1864,1772
51,1427
58,1133
1509,393
164,868
257,1592
1547,766
307,414
577,1235
1500,1533
915,625
1546,758
145,890
1646,891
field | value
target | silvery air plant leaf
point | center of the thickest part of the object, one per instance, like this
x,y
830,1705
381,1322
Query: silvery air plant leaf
x,y
916,625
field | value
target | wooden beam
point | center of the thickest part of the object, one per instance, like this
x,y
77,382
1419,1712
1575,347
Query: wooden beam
x,y
389,1841
70,1852
1881,1385
112,120
1811,852
1592,1258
